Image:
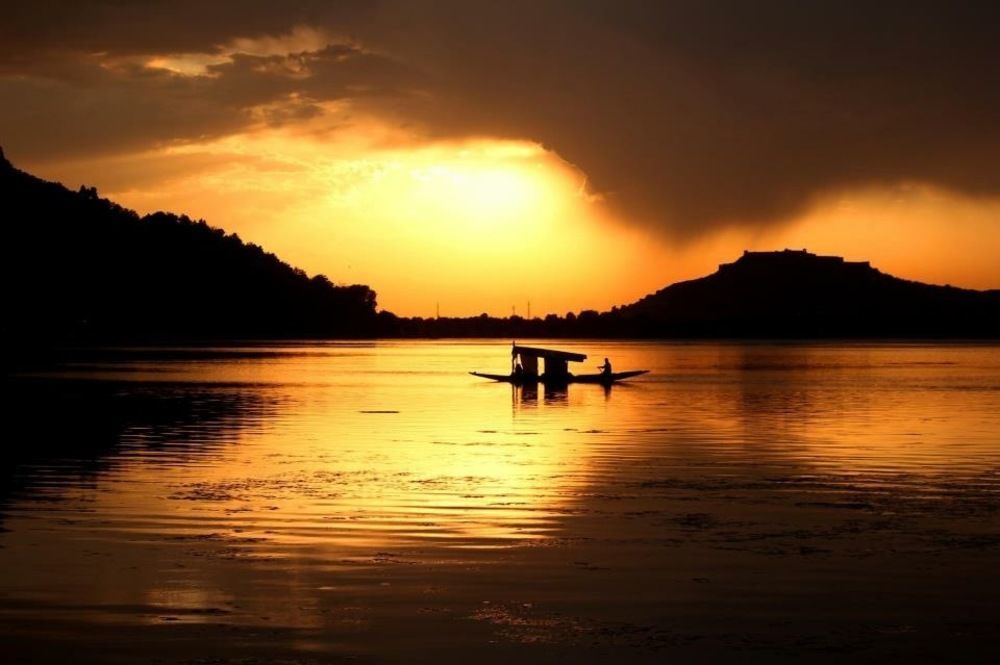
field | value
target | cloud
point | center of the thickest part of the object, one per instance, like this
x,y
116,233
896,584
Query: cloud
x,y
108,102
685,116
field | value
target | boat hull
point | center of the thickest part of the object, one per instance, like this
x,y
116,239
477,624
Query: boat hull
x,y
604,379
607,378
506,378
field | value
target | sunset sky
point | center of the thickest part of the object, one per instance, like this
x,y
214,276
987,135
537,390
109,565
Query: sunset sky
x,y
480,155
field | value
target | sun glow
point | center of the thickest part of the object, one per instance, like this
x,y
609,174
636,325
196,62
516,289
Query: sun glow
x,y
487,225
463,227
481,196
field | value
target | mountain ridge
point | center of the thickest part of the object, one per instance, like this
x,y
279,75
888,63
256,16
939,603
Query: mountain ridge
x,y
87,269
81,268
797,293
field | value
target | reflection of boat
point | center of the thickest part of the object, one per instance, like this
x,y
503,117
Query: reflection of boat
x,y
524,369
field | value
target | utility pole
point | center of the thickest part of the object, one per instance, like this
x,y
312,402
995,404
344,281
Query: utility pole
x,y
529,310
437,310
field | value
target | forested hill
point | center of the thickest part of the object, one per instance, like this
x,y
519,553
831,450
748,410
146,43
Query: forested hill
x,y
794,293
79,268
791,294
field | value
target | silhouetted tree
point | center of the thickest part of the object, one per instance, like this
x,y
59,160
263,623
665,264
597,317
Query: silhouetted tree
x,y
79,267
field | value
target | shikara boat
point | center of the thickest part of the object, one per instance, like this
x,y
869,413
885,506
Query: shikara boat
x,y
601,377
524,368
609,377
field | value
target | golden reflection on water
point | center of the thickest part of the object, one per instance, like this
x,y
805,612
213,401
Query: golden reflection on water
x,y
323,456
366,447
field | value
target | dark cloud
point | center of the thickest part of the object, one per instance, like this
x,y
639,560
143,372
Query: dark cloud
x,y
157,26
685,115
96,105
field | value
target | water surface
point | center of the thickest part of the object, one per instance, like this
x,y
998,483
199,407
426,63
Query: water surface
x,y
320,502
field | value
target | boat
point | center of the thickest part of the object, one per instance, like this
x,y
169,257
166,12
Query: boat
x,y
606,378
601,377
524,368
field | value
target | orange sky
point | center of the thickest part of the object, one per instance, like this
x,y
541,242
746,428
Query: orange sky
x,y
474,157
487,225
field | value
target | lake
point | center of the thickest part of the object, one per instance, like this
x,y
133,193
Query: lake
x,y
323,502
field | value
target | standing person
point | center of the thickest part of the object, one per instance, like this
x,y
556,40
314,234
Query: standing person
x,y
606,367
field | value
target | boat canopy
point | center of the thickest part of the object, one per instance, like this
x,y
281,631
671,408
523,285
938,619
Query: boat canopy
x,y
547,354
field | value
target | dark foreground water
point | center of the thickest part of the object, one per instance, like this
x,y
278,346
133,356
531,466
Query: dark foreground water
x,y
373,502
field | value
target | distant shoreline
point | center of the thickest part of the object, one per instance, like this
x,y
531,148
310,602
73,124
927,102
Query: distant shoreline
x,y
85,271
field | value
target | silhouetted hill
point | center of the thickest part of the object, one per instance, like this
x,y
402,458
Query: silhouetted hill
x,y
787,294
80,268
798,294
